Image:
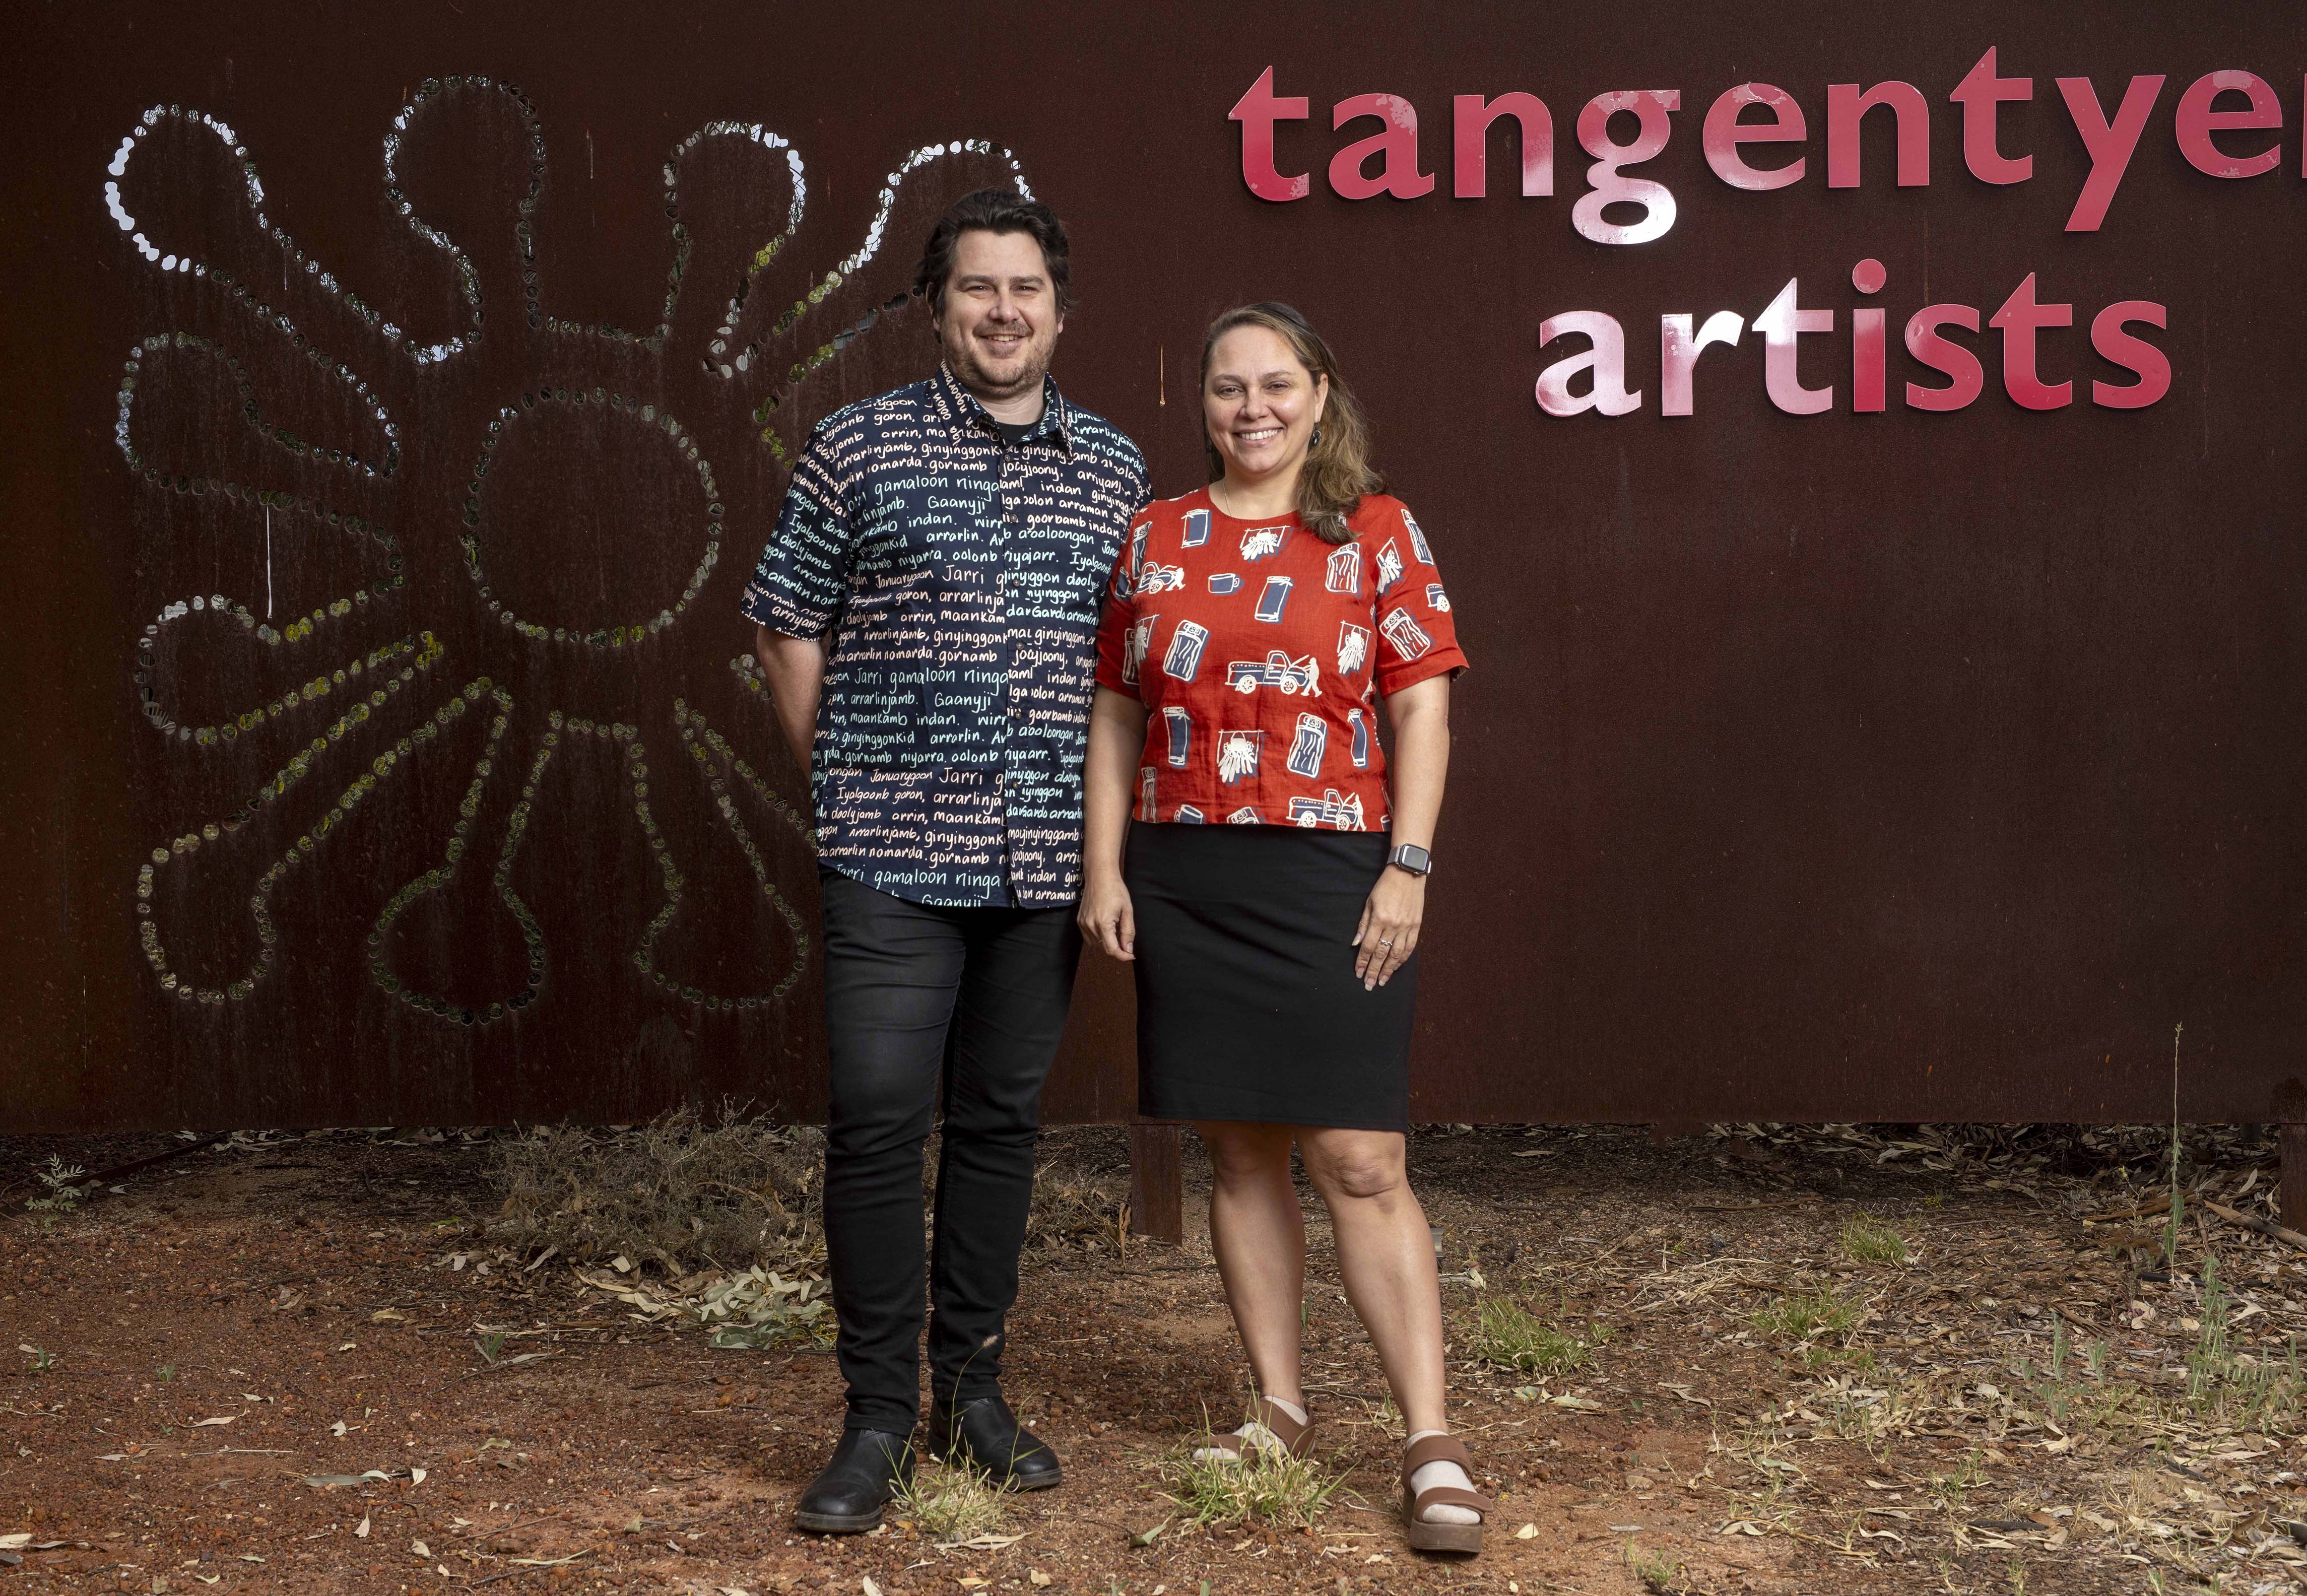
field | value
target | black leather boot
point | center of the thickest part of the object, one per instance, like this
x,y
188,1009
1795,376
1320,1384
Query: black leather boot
x,y
868,1468
984,1432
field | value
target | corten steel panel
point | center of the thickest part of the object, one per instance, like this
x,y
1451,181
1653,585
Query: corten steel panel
x,y
1896,765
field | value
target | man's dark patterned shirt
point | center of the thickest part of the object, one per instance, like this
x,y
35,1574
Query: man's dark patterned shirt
x,y
961,578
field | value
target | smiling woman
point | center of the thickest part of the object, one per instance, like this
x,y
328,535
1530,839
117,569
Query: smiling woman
x,y
1274,951
1301,404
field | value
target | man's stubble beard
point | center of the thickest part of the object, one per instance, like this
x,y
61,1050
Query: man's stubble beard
x,y
975,378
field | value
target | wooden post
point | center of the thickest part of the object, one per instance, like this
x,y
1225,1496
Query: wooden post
x,y
2293,1142
1157,1198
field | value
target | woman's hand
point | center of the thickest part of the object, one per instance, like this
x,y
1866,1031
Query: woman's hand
x,y
1388,935
1106,916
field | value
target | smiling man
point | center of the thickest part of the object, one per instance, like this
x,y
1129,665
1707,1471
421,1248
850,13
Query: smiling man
x,y
926,613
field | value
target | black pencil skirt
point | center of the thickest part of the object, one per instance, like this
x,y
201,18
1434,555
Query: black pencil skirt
x,y
1247,1008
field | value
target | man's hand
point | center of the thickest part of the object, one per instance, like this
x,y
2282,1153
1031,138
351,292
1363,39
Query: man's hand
x,y
1106,916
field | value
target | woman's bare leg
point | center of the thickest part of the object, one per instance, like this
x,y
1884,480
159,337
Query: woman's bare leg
x,y
1386,1255
1259,1237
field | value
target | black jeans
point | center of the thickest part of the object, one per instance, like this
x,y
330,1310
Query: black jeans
x,y
921,1004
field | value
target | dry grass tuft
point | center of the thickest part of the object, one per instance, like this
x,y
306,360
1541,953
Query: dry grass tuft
x,y
1508,1335
681,1193
1081,1195
953,1501
1866,1240
1267,1486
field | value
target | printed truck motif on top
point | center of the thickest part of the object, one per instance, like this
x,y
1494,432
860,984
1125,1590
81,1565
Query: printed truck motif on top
x,y
1265,635
1332,809
1292,676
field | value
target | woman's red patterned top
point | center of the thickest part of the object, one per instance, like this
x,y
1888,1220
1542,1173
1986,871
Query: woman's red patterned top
x,y
1260,651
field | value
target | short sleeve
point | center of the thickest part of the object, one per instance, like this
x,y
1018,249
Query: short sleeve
x,y
1117,659
802,581
1417,636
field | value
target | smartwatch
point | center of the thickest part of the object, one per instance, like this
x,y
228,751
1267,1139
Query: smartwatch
x,y
1416,860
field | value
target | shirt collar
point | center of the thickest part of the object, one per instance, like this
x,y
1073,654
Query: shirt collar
x,y
960,409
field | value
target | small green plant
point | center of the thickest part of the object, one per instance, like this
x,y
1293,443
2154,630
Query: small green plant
x,y
1952,1489
2094,1357
489,1345
2058,1349
62,1196
1805,1316
1268,1485
166,1371
1508,1335
1658,1573
42,1359
1867,1240
2017,1578
953,1502
2211,1363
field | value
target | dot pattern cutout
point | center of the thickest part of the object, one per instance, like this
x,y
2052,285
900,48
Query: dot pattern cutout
x,y
643,415
442,876
374,678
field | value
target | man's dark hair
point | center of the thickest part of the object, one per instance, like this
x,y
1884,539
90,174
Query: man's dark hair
x,y
993,211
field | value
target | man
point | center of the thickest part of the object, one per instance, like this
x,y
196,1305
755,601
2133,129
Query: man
x,y
928,615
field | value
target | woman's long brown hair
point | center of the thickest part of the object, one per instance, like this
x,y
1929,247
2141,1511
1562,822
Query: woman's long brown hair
x,y
1337,471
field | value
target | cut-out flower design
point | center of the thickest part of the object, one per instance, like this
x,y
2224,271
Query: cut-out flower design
x,y
443,680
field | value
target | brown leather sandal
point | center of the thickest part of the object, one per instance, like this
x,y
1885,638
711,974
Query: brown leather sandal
x,y
1450,1538
1296,1438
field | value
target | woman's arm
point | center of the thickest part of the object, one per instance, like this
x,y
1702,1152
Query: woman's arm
x,y
1117,736
795,668
1396,909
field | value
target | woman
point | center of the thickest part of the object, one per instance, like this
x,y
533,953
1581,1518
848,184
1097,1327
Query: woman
x,y
1272,891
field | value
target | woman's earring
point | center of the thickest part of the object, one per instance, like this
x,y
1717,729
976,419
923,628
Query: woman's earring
x,y
1315,441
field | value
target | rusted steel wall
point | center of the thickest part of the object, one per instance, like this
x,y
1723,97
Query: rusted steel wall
x,y
381,745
